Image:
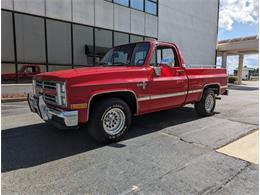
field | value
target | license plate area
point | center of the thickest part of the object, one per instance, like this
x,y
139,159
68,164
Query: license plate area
x,y
38,106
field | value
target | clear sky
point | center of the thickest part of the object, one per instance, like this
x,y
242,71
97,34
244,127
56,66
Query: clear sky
x,y
239,30
239,18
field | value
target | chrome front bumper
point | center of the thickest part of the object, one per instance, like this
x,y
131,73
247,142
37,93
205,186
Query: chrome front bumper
x,y
60,118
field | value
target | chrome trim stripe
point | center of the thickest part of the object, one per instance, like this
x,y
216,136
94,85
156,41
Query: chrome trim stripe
x,y
143,98
154,97
195,91
224,86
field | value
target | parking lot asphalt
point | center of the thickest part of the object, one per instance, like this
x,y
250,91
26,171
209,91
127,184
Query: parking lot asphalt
x,y
168,152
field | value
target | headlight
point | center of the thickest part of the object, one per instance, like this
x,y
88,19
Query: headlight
x,y
61,94
63,88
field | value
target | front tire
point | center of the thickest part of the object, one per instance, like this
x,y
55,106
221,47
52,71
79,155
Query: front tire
x,y
109,120
206,106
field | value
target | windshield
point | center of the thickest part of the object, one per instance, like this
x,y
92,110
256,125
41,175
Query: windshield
x,y
126,55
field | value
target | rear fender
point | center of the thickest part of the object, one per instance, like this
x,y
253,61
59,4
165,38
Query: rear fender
x,y
208,86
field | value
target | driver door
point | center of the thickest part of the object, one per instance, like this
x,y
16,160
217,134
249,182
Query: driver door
x,y
169,88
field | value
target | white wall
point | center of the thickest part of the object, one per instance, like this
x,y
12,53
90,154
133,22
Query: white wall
x,y
192,25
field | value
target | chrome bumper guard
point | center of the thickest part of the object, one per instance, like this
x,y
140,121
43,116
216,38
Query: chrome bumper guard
x,y
60,118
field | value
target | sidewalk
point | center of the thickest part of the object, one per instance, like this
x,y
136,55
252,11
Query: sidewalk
x,y
245,148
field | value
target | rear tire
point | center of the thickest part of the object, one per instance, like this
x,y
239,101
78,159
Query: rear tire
x,y
206,106
109,120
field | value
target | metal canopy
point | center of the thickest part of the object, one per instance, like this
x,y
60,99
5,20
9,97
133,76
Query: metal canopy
x,y
245,45
238,46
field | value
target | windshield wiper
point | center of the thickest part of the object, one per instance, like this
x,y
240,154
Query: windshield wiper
x,y
103,63
119,64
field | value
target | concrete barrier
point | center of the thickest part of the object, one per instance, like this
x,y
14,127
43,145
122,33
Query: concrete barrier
x,y
13,92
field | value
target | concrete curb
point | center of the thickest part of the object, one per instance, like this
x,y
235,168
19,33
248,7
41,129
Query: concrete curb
x,y
18,99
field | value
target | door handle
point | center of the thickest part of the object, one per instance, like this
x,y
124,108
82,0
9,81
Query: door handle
x,y
180,71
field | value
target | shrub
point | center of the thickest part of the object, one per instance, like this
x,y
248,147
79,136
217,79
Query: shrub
x,y
232,79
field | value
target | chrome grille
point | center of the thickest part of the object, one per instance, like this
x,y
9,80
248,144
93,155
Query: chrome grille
x,y
48,85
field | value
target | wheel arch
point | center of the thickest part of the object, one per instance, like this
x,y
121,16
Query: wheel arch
x,y
214,86
128,96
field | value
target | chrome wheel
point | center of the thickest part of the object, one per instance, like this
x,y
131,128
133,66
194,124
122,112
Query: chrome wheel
x,y
114,121
209,103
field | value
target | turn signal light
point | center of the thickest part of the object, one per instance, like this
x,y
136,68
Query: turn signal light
x,y
78,106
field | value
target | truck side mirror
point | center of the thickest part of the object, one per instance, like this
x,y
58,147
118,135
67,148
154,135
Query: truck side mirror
x,y
157,70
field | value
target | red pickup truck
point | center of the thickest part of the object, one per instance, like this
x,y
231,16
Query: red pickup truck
x,y
131,79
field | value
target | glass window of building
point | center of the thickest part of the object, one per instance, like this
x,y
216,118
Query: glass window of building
x,y
58,42
103,42
122,2
120,38
151,7
7,42
136,38
56,68
137,4
149,38
30,39
83,49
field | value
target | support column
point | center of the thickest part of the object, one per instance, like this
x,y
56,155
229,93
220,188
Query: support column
x,y
224,60
240,68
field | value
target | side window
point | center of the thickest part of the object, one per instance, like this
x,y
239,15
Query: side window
x,y
168,57
165,56
28,69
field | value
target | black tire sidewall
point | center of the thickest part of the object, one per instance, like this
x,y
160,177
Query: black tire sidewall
x,y
96,122
125,125
200,106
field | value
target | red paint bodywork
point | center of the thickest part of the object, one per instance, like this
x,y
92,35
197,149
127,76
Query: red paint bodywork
x,y
83,84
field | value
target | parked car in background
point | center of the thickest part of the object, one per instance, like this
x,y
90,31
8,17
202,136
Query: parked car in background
x,y
131,79
26,72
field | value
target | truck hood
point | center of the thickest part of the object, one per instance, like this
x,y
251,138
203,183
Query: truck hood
x,y
93,74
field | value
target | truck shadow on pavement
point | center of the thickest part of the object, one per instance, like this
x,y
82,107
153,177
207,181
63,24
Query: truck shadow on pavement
x,y
28,146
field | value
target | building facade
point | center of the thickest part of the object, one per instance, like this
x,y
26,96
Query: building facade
x,y
248,73
49,35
